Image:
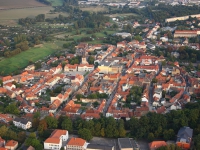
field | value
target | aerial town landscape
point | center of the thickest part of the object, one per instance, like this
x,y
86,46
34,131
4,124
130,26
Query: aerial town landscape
x,y
99,75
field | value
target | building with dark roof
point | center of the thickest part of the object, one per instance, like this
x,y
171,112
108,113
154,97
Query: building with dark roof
x,y
99,147
22,123
184,137
125,144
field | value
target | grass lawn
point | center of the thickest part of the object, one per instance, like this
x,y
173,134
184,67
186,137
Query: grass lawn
x,y
20,61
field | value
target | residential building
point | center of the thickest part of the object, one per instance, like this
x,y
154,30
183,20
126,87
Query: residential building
x,y
77,144
55,140
3,148
2,142
184,137
22,123
85,67
30,67
30,148
69,67
186,33
11,145
156,144
5,118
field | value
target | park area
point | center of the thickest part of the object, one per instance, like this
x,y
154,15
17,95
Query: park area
x,y
21,60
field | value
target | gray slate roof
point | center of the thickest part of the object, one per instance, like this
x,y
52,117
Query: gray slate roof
x,y
185,133
21,120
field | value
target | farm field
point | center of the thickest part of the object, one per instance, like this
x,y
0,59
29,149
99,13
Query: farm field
x,y
10,17
33,54
11,4
94,8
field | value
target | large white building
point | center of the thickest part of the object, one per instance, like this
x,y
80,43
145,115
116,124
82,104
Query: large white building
x,y
56,139
22,123
85,67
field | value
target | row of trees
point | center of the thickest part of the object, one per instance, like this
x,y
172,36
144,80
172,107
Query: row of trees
x,y
30,21
152,126
96,95
8,134
163,11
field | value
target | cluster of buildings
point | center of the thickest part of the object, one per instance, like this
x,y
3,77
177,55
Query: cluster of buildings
x,y
9,145
184,140
115,76
60,138
119,68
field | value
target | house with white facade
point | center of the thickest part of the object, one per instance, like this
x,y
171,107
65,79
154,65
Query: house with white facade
x,y
56,139
22,123
85,67
77,144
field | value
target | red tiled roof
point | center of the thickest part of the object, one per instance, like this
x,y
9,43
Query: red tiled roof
x,y
76,142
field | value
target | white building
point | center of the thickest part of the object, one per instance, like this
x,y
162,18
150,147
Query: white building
x,y
22,123
77,144
55,140
85,67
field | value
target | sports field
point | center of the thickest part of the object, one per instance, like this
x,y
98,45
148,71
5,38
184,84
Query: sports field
x,y
20,61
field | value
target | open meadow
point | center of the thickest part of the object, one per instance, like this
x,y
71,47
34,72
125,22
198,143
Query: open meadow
x,y
21,60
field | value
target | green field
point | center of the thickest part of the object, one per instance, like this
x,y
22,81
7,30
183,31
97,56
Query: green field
x,y
20,61
56,2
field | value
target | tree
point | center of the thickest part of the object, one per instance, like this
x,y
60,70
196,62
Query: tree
x,y
3,131
42,126
36,115
102,132
12,109
52,122
21,136
33,141
85,134
67,124
138,37
91,60
168,134
197,141
1,83
151,137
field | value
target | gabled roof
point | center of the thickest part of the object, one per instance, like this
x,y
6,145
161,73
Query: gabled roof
x,y
76,142
185,133
11,143
157,144
21,120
